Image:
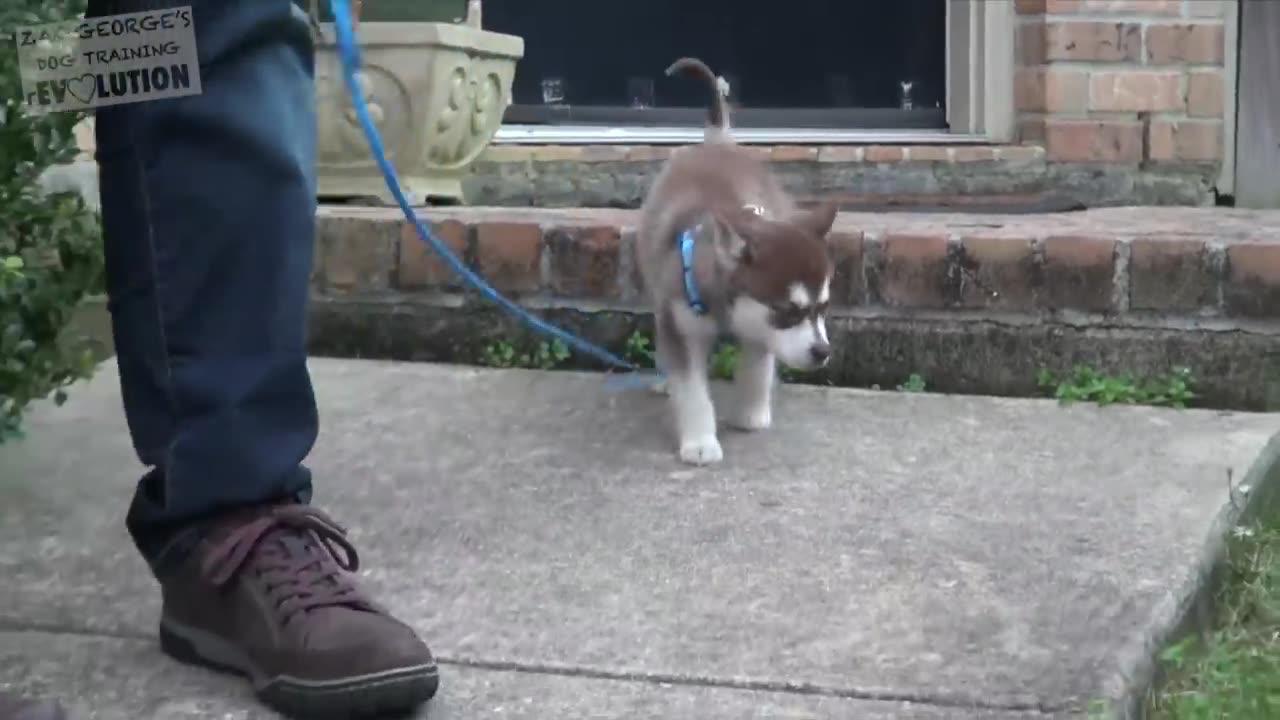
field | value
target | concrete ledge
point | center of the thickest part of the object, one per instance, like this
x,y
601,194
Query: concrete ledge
x,y
616,175
975,303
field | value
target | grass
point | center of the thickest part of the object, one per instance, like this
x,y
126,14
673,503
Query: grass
x,y
1085,384
1232,672
724,361
721,365
639,350
542,356
913,384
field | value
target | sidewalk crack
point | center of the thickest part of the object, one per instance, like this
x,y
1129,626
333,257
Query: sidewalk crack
x,y
786,687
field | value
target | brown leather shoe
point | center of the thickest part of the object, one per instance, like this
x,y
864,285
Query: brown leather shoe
x,y
269,594
15,708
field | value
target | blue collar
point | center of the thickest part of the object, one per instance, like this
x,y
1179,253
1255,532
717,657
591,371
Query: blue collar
x,y
690,283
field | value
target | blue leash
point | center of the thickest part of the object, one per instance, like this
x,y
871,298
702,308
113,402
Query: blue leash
x,y
349,51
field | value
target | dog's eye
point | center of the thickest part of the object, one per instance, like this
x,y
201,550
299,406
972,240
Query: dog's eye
x,y
788,314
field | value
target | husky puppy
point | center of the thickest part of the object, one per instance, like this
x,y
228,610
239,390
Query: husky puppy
x,y
723,250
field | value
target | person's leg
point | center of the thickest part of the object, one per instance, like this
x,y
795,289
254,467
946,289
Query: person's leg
x,y
208,209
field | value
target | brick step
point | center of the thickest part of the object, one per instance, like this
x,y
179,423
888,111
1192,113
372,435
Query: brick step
x,y
974,303
1190,262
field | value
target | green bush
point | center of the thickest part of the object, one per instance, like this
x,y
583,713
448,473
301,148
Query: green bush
x,y
50,245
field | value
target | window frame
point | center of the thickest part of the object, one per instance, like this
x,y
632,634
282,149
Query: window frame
x,y
980,69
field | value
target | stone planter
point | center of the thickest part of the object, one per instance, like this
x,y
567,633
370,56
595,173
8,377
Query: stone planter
x,y
437,92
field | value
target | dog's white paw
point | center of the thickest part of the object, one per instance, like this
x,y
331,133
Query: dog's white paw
x,y
659,387
702,451
751,419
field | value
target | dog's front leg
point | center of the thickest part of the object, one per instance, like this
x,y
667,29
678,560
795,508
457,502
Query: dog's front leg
x,y
753,389
683,357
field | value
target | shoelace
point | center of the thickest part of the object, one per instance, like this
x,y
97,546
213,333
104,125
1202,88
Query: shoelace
x,y
295,549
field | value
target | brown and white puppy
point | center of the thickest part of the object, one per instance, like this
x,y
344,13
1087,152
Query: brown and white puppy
x,y
762,269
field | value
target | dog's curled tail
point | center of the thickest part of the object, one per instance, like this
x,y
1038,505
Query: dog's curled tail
x,y
718,110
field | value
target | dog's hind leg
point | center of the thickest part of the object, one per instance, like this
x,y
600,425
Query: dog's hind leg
x,y
753,389
683,357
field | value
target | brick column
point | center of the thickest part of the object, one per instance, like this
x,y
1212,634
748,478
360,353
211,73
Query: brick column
x,y
1122,81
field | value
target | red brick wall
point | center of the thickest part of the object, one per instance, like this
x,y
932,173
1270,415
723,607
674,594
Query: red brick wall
x,y
1121,81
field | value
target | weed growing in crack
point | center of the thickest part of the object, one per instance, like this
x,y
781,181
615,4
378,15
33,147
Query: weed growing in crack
x,y
913,384
724,361
1085,384
543,356
639,350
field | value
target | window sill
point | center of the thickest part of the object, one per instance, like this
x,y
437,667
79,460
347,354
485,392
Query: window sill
x,y
944,151
568,135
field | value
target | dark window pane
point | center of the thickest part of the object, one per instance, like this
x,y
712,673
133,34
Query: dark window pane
x,y
404,11
805,55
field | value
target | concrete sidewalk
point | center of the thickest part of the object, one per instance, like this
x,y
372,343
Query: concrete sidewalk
x,y
876,555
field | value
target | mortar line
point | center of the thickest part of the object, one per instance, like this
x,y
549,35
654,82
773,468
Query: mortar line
x,y
782,687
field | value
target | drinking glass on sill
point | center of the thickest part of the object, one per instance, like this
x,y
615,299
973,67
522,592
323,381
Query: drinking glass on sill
x,y
904,94
640,92
553,91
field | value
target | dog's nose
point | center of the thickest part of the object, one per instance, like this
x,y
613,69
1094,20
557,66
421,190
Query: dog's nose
x,y
820,353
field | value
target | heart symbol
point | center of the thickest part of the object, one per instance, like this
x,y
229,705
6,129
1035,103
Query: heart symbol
x,y
83,88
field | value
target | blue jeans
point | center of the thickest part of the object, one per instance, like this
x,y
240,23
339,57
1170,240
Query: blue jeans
x,y
208,210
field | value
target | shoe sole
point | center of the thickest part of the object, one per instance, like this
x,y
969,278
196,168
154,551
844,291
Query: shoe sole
x,y
400,690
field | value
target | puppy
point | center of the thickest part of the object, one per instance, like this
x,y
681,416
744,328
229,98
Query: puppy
x,y
723,250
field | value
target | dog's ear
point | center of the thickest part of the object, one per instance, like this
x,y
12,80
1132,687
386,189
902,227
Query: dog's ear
x,y
818,220
740,231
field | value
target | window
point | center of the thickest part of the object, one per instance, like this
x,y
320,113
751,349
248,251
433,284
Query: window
x,y
402,10
802,64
